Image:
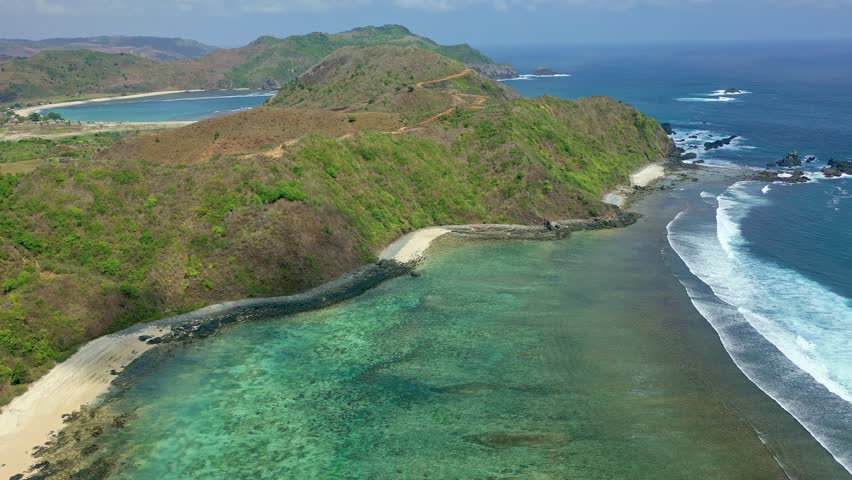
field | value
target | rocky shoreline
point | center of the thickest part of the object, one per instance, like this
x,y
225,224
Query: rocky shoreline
x,y
66,450
207,321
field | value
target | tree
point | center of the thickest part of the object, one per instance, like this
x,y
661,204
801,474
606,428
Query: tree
x,y
54,116
34,117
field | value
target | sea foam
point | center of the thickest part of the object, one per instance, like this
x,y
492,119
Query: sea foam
x,y
706,99
807,325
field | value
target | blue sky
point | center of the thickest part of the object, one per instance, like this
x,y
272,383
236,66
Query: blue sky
x,y
479,22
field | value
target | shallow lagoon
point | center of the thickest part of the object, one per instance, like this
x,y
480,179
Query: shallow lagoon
x,y
581,358
177,107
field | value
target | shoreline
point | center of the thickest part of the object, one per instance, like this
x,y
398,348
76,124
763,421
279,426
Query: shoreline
x,y
28,110
88,374
639,179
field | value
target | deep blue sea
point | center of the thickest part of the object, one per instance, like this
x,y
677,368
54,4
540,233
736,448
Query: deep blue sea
x,y
771,264
176,107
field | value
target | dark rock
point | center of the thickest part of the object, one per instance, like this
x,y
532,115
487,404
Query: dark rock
x,y
496,71
499,440
797,176
698,162
733,91
667,127
544,72
154,341
791,160
690,156
113,372
415,273
120,421
88,450
143,338
693,137
810,159
837,168
719,143
17,476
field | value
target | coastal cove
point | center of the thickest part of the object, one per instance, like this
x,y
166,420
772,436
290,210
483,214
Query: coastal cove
x,y
521,363
32,418
156,107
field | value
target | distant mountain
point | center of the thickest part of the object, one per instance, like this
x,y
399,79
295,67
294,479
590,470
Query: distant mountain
x,y
268,62
153,48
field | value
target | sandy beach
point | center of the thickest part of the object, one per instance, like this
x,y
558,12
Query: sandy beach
x,y
29,420
640,178
28,110
644,177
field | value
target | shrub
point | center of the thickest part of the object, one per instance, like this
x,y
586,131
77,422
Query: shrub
x,y
288,190
15,283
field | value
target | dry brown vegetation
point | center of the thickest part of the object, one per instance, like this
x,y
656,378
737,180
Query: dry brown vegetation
x,y
246,132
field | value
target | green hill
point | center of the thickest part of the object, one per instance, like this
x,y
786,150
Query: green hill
x,y
153,48
403,80
265,63
275,200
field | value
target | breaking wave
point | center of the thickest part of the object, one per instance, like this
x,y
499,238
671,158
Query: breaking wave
x,y
787,333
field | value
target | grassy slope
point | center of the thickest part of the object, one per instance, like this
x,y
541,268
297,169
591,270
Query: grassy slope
x,y
268,61
92,244
387,79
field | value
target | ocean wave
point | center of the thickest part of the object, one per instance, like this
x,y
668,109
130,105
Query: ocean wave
x,y
706,99
533,77
723,93
807,324
765,189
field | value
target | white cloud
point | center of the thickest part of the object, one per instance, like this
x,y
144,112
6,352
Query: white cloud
x,y
227,7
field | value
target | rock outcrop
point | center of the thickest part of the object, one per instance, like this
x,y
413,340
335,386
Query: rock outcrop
x,y
496,71
837,168
719,143
544,72
791,160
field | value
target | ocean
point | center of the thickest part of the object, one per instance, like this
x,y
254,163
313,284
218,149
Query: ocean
x,y
776,258
178,107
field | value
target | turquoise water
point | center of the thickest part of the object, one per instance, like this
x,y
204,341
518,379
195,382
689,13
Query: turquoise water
x,y
177,107
574,359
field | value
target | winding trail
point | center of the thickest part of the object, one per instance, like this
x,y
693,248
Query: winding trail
x,y
464,72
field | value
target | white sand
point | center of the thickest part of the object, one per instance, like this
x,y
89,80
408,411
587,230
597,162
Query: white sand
x,y
26,111
412,247
30,419
647,175
639,178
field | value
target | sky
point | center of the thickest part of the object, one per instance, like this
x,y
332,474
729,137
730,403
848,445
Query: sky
x,y
231,23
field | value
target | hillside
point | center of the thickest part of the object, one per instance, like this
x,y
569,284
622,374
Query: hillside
x,y
273,200
403,80
267,62
152,48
